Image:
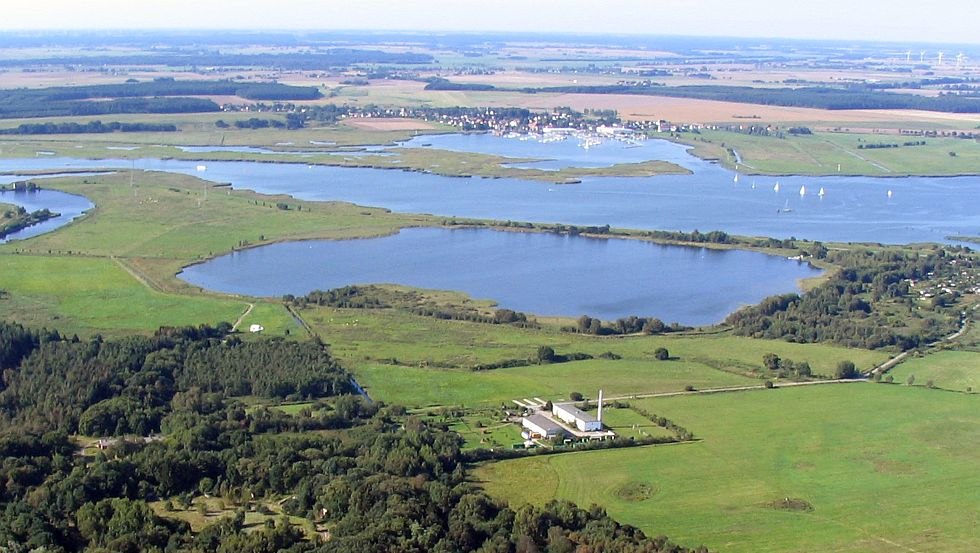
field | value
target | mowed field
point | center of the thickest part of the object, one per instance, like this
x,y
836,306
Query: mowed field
x,y
849,467
821,152
950,370
421,361
86,295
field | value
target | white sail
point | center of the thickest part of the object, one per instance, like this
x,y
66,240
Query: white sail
x,y
735,179
776,188
821,192
803,190
889,193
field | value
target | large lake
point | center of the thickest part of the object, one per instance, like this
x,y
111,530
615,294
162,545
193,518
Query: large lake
x,y
852,209
544,274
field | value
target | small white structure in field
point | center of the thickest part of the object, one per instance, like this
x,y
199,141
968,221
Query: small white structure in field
x,y
577,417
256,328
540,426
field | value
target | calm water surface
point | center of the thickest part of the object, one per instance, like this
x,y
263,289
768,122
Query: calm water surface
x,y
852,209
545,274
69,206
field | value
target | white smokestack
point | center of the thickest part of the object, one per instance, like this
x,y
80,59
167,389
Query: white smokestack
x,y
600,405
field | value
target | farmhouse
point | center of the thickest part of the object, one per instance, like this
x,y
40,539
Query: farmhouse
x,y
575,416
540,426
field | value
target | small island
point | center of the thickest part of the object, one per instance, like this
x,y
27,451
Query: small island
x,y
15,218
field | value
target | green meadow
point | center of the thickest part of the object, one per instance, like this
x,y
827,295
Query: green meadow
x,y
950,370
821,152
113,270
419,361
844,467
87,295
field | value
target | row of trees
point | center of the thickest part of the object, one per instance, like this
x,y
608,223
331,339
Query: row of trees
x,y
812,97
624,325
90,127
157,96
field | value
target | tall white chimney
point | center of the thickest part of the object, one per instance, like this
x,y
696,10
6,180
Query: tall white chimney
x,y
600,405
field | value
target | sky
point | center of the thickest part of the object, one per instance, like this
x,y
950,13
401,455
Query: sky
x,y
956,21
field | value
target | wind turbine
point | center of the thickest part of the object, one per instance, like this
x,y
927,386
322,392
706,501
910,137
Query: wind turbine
x,y
940,58
959,60
922,56
908,56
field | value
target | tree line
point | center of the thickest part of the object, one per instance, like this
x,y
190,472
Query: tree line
x,y
811,97
90,127
164,95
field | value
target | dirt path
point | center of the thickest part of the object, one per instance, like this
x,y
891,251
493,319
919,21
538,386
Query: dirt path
x,y
241,317
888,365
862,158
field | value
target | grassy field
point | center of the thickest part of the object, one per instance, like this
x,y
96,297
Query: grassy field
x,y
215,508
170,216
418,361
951,370
87,295
113,270
820,153
850,468
441,162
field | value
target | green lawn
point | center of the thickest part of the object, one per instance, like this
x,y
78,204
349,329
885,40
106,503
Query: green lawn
x,y
820,153
418,361
952,370
851,468
87,295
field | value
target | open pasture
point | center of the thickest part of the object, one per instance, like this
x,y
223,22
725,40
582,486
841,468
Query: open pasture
x,y
821,152
419,361
844,468
950,370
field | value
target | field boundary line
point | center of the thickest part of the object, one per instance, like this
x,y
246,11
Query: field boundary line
x,y
138,275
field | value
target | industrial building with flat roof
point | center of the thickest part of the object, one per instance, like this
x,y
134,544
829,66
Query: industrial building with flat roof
x,y
570,414
540,426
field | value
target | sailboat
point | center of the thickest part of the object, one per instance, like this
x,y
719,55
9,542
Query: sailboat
x,y
735,180
821,193
776,188
889,194
786,208
803,190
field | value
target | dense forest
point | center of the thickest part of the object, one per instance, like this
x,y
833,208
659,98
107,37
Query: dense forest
x,y
872,302
811,97
157,96
363,476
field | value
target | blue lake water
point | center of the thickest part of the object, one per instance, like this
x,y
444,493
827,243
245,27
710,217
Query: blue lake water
x,y
853,209
559,154
69,206
545,274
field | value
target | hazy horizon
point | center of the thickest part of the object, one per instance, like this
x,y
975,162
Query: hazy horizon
x,y
897,21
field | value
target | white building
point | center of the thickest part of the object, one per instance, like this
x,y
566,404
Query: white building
x,y
575,416
540,426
